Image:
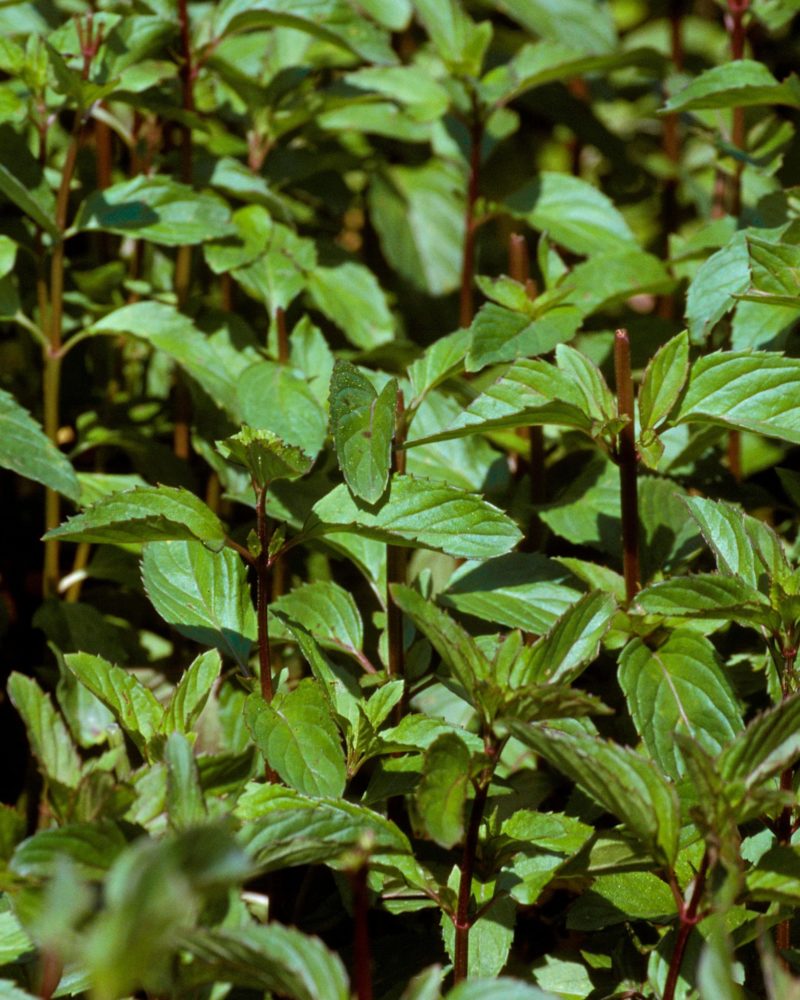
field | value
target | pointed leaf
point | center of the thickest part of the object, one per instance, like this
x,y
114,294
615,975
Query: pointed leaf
x,y
277,398
419,512
22,181
679,686
133,705
444,358
627,785
707,595
26,450
48,735
271,958
265,456
743,83
350,296
442,792
146,514
769,744
186,806
203,595
498,334
362,425
663,381
328,612
190,696
299,739
501,988
158,209
751,391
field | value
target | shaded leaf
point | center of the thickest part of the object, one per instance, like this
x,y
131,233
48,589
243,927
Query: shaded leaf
x,y
26,450
442,792
190,696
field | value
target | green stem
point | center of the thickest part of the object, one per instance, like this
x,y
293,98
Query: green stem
x,y
628,463
688,919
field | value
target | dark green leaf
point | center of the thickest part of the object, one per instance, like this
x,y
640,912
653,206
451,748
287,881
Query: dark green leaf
x,y
679,686
26,450
362,424
707,595
419,512
91,846
191,694
147,514
299,739
442,792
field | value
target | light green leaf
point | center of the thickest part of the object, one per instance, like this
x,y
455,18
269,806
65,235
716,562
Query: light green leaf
x,y
716,968
501,988
573,212
362,424
25,449
751,391
147,514
609,279
203,595
459,41
679,686
723,275
48,735
350,296
132,704
277,398
490,937
624,783
744,546
707,595
14,943
173,333
92,847
499,334
583,25
776,876
444,358
572,643
418,212
186,806
158,209
425,98
419,512
265,456
743,83
615,899
663,380
442,792
190,696
769,744
328,612
332,21
299,739
274,958
520,590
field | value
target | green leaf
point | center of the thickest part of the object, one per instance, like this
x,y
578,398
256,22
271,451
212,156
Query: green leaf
x,y
48,736
501,988
575,214
425,98
203,595
583,25
679,686
274,958
25,449
276,398
743,83
299,739
14,942
499,334
265,456
418,213
444,358
458,40
723,275
457,648
707,596
615,899
769,744
419,512
362,425
132,704
174,334
622,782
520,590
186,805
663,380
92,847
776,876
157,209
328,612
744,546
330,20
190,696
610,278
147,514
572,643
749,391
350,296
716,968
442,792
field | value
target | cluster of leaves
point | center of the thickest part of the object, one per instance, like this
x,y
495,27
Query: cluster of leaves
x,y
387,640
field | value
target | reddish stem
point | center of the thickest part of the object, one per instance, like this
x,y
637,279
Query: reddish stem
x,y
362,952
397,567
688,919
463,922
262,595
628,463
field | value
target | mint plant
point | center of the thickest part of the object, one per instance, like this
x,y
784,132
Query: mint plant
x,y
400,578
